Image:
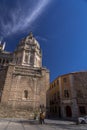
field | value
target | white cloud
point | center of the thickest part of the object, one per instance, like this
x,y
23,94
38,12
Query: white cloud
x,y
41,38
20,19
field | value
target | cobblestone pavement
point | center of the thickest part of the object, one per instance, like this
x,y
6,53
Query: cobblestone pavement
x,y
21,124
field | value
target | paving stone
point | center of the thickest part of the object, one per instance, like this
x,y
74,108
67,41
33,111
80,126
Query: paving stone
x,y
22,124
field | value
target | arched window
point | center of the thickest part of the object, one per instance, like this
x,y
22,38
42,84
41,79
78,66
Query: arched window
x,y
25,94
32,59
26,58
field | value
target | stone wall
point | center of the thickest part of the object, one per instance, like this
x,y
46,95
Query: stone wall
x,y
20,79
7,85
3,73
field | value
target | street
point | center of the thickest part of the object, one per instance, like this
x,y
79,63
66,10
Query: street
x,y
21,124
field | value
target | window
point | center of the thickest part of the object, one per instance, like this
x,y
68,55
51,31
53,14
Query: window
x,y
79,94
64,80
42,106
82,110
3,61
54,97
7,61
55,109
66,93
54,85
32,59
17,60
26,58
58,95
25,94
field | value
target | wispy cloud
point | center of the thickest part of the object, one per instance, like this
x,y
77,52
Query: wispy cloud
x,y
21,18
42,38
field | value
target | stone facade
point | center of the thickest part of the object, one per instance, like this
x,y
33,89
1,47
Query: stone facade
x,y
25,81
5,56
67,96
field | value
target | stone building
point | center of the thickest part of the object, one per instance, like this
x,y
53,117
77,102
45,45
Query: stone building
x,y
5,56
67,96
23,80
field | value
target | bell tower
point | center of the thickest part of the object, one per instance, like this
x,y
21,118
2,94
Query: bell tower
x,y
28,52
26,81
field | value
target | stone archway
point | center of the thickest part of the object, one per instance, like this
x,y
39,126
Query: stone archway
x,y
68,111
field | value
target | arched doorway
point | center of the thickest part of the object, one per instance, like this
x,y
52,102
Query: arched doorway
x,y
68,111
59,112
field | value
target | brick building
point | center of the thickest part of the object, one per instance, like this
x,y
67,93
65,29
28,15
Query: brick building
x,y
67,96
23,80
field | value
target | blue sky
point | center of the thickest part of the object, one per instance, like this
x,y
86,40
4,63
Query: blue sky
x,y
60,26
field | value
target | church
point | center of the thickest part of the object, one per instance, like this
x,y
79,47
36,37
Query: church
x,y
23,80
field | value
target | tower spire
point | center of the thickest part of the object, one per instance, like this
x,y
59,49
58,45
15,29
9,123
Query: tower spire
x,y
3,45
30,35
